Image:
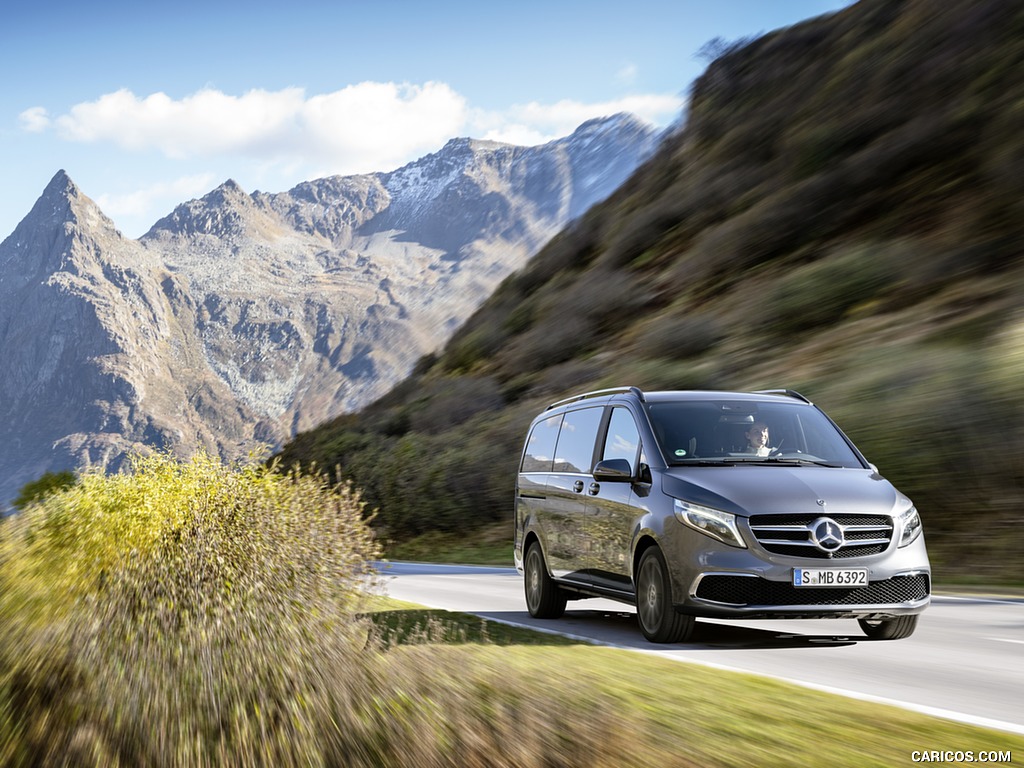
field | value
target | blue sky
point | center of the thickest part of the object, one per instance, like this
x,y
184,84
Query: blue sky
x,y
148,105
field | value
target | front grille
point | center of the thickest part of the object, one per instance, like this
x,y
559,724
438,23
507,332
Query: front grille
x,y
792,534
753,590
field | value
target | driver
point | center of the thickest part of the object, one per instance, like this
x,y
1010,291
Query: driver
x,y
757,439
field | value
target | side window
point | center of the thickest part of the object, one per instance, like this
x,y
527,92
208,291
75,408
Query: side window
x,y
540,447
575,451
623,439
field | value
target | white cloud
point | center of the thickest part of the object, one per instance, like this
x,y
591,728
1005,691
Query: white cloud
x,y
361,128
376,126
364,127
206,123
34,120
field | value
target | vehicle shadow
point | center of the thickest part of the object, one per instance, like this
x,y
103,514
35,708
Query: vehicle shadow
x,y
620,628
722,636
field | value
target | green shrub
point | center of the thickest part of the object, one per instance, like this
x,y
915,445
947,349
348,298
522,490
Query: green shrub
x,y
679,338
641,231
661,373
49,482
472,347
820,293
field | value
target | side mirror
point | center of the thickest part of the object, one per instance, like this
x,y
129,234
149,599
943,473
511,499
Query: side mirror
x,y
613,471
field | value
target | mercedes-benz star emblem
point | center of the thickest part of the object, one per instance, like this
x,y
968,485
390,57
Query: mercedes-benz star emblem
x,y
827,534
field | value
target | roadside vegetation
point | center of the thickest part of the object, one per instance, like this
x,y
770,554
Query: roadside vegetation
x,y
199,614
489,545
841,215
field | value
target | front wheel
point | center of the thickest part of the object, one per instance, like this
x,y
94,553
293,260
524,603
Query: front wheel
x,y
658,619
544,599
889,629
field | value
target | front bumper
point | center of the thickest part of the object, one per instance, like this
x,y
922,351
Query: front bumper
x,y
714,580
738,595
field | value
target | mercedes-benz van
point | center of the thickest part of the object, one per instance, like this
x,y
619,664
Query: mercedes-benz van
x,y
728,505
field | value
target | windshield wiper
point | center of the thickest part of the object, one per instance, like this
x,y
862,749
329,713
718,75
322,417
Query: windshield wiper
x,y
785,460
800,460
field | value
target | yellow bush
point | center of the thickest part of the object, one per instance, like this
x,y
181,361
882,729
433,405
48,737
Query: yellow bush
x,y
177,604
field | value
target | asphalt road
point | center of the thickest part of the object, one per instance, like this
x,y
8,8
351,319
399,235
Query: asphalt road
x,y
965,661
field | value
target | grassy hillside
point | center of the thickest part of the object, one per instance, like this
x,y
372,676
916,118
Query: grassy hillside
x,y
843,214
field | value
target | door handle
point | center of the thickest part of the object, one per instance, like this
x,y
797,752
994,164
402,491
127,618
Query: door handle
x,y
595,489
578,486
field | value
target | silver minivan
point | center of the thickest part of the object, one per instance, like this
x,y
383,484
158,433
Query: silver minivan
x,y
726,505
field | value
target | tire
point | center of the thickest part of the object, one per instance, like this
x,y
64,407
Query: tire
x,y
544,599
658,619
889,629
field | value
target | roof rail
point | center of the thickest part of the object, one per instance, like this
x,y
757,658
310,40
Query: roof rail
x,y
598,393
788,392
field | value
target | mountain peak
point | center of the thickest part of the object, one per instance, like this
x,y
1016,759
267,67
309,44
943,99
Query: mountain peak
x,y
622,123
468,144
230,193
57,200
61,185
222,211
230,187
65,232
610,121
62,204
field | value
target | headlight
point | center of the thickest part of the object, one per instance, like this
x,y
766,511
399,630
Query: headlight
x,y
712,522
910,524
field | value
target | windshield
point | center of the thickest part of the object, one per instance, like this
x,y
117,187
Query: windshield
x,y
732,432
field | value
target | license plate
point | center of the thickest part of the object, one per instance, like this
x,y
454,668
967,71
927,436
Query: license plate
x,y
830,577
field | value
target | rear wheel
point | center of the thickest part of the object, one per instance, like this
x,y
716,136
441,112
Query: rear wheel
x,y
658,619
544,599
889,629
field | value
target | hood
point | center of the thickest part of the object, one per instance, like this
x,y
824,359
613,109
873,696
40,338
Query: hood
x,y
758,489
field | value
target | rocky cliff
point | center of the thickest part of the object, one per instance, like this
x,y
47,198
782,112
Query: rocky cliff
x,y
240,319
